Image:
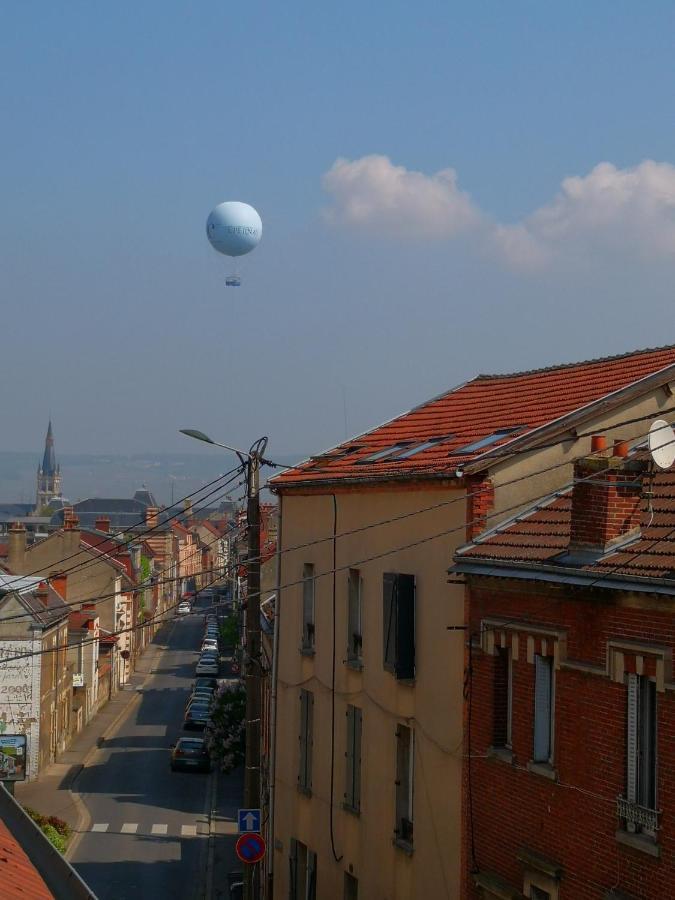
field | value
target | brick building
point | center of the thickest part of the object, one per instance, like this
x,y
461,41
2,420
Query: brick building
x,y
568,788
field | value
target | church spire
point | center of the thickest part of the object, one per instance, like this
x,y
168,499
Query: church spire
x,y
49,460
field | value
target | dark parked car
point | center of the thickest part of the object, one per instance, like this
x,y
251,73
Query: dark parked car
x,y
190,753
205,682
196,717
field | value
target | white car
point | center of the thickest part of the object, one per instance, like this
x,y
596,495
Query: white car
x,y
183,608
207,666
209,644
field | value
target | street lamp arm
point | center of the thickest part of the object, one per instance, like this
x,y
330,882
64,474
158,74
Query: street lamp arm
x,y
200,436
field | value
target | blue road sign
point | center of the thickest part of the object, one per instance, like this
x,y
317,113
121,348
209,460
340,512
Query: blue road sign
x,y
248,820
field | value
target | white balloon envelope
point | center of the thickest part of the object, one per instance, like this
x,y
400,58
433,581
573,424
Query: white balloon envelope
x,y
234,228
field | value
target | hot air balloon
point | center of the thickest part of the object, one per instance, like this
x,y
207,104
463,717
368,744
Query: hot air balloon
x,y
234,229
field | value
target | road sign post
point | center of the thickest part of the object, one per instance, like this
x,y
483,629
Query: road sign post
x,y
249,821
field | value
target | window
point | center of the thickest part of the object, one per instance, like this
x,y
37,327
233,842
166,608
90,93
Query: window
x,y
420,448
639,812
399,624
351,890
380,455
501,736
353,757
486,441
543,709
306,740
354,640
537,893
302,883
403,831
308,607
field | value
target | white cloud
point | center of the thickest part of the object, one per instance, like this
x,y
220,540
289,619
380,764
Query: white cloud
x,y
372,192
629,211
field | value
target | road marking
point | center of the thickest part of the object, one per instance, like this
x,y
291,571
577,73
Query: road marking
x,y
100,826
188,831
159,829
129,828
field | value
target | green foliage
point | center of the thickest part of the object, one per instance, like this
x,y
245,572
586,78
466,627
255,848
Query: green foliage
x,y
52,827
227,733
229,631
55,838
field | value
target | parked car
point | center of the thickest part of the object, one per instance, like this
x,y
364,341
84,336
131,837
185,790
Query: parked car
x,y
183,608
205,682
209,644
208,665
190,754
197,716
201,697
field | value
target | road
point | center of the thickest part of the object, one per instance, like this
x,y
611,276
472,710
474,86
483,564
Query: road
x,y
148,825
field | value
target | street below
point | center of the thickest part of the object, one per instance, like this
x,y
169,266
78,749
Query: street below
x,y
148,834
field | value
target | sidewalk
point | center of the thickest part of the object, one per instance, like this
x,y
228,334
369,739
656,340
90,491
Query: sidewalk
x,y
52,792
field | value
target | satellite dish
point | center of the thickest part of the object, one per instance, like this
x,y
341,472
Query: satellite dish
x,y
661,442
234,229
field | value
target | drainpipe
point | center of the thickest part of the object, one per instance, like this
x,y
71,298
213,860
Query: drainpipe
x,y
273,717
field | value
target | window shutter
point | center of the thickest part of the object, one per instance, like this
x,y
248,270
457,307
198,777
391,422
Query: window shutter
x,y
310,737
311,875
405,626
349,786
358,727
542,709
354,615
647,744
293,873
389,620
631,739
308,605
302,767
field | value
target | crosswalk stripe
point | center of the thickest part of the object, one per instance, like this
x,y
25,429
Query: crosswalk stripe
x,y
188,830
129,828
100,826
159,829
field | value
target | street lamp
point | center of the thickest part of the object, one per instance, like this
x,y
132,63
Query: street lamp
x,y
252,459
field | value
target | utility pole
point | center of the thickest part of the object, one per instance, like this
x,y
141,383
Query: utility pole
x,y
253,668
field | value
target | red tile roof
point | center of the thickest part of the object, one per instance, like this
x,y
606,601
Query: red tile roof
x,y
481,407
541,536
18,875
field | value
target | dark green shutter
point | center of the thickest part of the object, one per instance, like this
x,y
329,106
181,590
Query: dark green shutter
x,y
405,626
389,620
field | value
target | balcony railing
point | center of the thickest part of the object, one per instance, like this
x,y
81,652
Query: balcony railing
x,y
634,814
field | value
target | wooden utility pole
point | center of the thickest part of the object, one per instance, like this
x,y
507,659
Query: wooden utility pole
x,y
253,670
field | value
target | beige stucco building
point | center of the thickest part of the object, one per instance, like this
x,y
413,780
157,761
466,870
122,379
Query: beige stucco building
x,y
370,706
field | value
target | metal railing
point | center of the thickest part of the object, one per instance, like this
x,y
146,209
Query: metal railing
x,y
634,814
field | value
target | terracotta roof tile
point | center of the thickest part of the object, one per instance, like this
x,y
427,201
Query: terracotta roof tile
x,y
18,875
472,412
543,534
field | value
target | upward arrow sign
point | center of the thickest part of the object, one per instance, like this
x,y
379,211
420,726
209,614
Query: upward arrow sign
x,y
250,821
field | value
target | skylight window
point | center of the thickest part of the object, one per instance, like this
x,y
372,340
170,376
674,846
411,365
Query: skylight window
x,y
386,453
493,438
419,448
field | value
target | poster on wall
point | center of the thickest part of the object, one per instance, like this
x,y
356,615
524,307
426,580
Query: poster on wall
x,y
12,757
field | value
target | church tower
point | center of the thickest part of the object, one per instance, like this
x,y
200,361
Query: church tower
x,y
48,475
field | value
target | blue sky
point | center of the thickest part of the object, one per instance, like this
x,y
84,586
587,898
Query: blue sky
x,y
124,124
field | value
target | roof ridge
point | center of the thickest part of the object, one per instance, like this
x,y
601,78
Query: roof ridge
x,y
571,365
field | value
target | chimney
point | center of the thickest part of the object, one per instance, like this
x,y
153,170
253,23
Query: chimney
x,y
42,593
59,581
480,500
16,548
71,531
89,606
151,516
606,500
102,523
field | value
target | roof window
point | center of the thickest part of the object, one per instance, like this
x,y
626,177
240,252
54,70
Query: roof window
x,y
486,441
381,455
419,448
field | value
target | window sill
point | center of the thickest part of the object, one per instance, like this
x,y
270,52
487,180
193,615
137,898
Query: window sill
x,y
356,664
405,846
305,791
641,842
502,754
546,770
352,810
307,651
406,682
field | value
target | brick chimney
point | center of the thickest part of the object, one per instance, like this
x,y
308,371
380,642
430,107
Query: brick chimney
x,y
102,523
16,548
480,500
71,531
151,514
42,593
59,581
606,500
